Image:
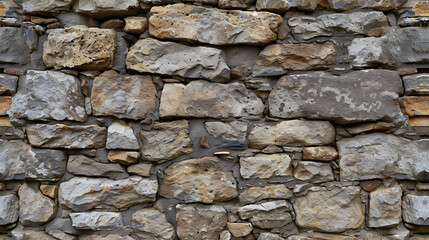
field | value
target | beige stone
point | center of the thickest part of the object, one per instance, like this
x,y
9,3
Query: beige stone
x,y
5,124
420,125
370,186
141,169
135,25
324,153
415,106
46,6
239,4
255,194
123,157
5,102
266,166
320,236
385,207
149,223
49,190
84,166
35,209
239,229
315,172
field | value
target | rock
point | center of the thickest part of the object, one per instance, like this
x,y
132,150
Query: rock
x,y
249,211
8,209
113,24
282,6
236,4
415,106
225,235
166,141
123,157
42,20
13,48
315,172
149,223
370,186
385,207
335,209
107,9
45,95
417,84
108,237
120,136
80,47
266,166
370,52
292,133
131,96
199,180
239,229
415,209
201,99
49,190
57,234
197,221
189,23
30,235
378,156
235,131
5,124
97,220
35,209
81,194
406,51
204,142
135,25
85,166
141,169
46,6
8,84
355,100
63,136
5,102
324,153
320,236
269,236
170,58
420,125
255,194
267,215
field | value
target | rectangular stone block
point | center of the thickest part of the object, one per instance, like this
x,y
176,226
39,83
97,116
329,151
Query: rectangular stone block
x,y
416,84
415,106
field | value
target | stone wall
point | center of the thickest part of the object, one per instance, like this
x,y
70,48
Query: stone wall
x,y
214,119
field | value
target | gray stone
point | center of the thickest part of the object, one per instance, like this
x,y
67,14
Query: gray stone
x,y
370,52
170,58
249,211
141,169
120,136
13,48
415,209
354,100
63,136
108,237
34,208
284,5
269,236
149,223
97,220
107,8
81,194
45,6
415,51
235,131
30,235
236,4
266,166
85,166
315,172
385,207
70,19
256,194
8,209
267,215
45,95
417,84
8,84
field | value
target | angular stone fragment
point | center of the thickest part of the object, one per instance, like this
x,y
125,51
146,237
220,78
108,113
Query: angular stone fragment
x,y
189,23
385,207
80,47
97,220
199,180
415,209
417,84
367,95
85,166
135,25
131,96
235,131
239,229
30,235
267,215
46,6
141,169
415,106
236,4
370,52
45,95
5,124
63,136
49,190
149,223
108,237
415,51
107,8
166,141
420,125
315,172
13,48
255,194
196,221
170,58
266,166
269,236
292,133
81,194
121,136
320,236
34,208
5,102
335,209
323,153
123,157
284,5
8,84
8,209
203,99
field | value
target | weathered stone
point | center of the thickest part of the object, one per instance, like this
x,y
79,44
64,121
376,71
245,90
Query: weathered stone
x,y
8,209
63,136
415,209
123,157
57,234
315,172
199,180
5,102
135,25
166,141
236,4
203,99
49,190
335,209
196,221
266,166
255,194
385,207
420,125
239,229
292,133
45,95
42,20
30,235
97,220
149,223
81,194
5,124
120,136
107,8
34,208
356,99
85,166
189,23
13,48
80,47
320,236
235,131
370,52
415,106
123,96
370,185
170,58
379,155
8,84
417,84
415,51
45,6
141,169
113,24
267,215
108,237
269,236
324,153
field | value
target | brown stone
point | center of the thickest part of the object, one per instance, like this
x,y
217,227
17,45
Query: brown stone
x,y
135,25
324,153
255,194
54,25
370,186
415,106
204,142
239,229
49,190
407,71
5,102
375,32
123,157
421,9
141,169
113,24
238,4
4,124
3,8
43,21
420,125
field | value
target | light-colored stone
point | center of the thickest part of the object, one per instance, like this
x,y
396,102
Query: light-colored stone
x,y
235,131
49,190
249,211
5,102
8,84
370,52
406,52
57,234
120,136
123,157
135,25
266,166
97,220
81,194
255,194
189,23
320,236
149,223
415,105
239,229
80,47
267,215
284,5
34,208
236,4
9,209
30,235
141,169
107,237
269,236
415,209
63,136
324,153
85,166
416,84
385,207
46,6
315,172
107,8
5,124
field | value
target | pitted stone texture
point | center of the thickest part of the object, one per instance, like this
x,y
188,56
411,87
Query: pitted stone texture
x,y
417,84
292,133
415,209
45,95
8,84
97,220
236,4
385,207
81,194
324,153
63,136
85,166
131,96
234,131
201,99
8,209
120,136
189,23
378,156
170,58
197,221
370,52
256,194
80,47
13,48
335,209
135,25
315,172
149,223
367,95
34,208
46,6
199,180
266,166
166,141
107,8
415,51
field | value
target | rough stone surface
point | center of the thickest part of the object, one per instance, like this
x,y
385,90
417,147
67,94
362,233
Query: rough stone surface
x,y
315,172
417,84
256,194
415,106
30,235
46,6
97,220
8,84
266,166
106,8
85,166
123,157
269,236
236,4
5,102
120,136
324,153
420,125
13,48
189,23
370,52
239,229
34,208
415,209
80,193
149,223
199,180
415,51
234,131
320,236
108,237
267,215
49,190
135,25
141,169
8,209
385,207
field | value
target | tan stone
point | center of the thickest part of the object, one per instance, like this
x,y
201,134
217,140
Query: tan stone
x,y
149,223
239,229
255,194
4,124
415,106
3,9
43,21
420,125
266,166
320,236
135,25
107,8
113,24
315,172
239,4
324,153
421,9
123,157
370,186
5,102
142,169
422,186
49,190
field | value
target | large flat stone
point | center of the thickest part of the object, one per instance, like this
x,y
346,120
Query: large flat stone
x,y
255,194
266,166
149,223
367,95
385,207
9,209
415,209
190,23
417,84
414,51
35,208
84,166
13,48
170,58
8,84
415,105
107,8
234,131
267,215
5,102
46,7
97,220
370,52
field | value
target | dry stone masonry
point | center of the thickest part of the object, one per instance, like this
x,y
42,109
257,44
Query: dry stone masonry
x,y
214,120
